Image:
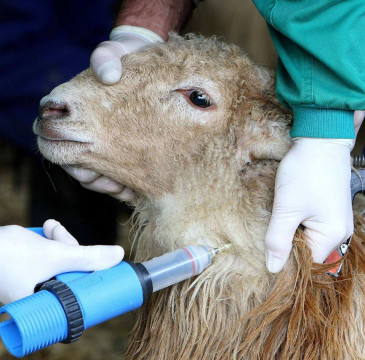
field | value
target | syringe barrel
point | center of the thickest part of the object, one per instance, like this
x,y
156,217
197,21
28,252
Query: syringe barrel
x,y
178,265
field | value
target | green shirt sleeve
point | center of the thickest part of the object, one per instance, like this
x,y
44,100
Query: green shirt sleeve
x,y
321,65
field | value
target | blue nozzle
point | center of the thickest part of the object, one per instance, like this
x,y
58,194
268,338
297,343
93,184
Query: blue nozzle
x,y
36,321
40,320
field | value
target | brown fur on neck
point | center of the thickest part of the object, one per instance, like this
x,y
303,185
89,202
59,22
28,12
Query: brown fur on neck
x,y
302,313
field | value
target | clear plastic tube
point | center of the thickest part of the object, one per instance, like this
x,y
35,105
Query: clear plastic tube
x,y
178,265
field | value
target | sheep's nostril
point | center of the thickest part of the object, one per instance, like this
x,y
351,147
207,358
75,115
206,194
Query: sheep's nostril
x,y
51,110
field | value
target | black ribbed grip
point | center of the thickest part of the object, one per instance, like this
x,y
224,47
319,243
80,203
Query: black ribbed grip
x,y
71,307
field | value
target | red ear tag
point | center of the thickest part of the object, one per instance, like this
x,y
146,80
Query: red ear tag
x,y
337,255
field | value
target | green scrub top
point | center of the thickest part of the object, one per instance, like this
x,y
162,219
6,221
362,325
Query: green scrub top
x,y
321,65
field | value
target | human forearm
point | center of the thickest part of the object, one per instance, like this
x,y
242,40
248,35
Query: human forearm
x,y
159,16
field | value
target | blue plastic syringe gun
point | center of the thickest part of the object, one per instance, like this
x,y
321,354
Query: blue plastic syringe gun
x,y
66,306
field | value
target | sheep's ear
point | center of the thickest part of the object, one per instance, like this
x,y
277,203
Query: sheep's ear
x,y
267,84
263,126
266,78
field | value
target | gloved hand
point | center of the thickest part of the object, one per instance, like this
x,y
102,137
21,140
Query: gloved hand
x,y
94,181
125,39
105,61
27,258
313,188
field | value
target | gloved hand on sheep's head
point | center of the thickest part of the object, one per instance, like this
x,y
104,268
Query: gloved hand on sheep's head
x,y
27,258
124,39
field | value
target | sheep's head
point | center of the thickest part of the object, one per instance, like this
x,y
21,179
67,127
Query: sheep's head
x,y
172,101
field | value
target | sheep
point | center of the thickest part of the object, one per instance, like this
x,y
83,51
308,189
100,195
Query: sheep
x,y
193,127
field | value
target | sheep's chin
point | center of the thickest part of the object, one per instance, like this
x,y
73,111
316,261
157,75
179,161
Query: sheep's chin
x,y
62,152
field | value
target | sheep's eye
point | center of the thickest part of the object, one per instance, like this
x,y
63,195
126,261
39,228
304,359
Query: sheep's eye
x,y
200,99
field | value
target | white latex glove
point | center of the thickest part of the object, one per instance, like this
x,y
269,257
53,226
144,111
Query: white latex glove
x,y
94,181
27,258
312,188
125,39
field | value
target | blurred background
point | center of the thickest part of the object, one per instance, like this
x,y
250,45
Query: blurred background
x,y
43,44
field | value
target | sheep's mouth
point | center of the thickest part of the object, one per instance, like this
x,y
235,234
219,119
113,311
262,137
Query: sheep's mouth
x,y
53,131
55,149
62,141
62,151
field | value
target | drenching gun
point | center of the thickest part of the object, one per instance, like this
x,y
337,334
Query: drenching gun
x,y
64,307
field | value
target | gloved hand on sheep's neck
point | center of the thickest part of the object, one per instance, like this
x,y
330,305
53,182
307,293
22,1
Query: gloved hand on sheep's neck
x,y
312,188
